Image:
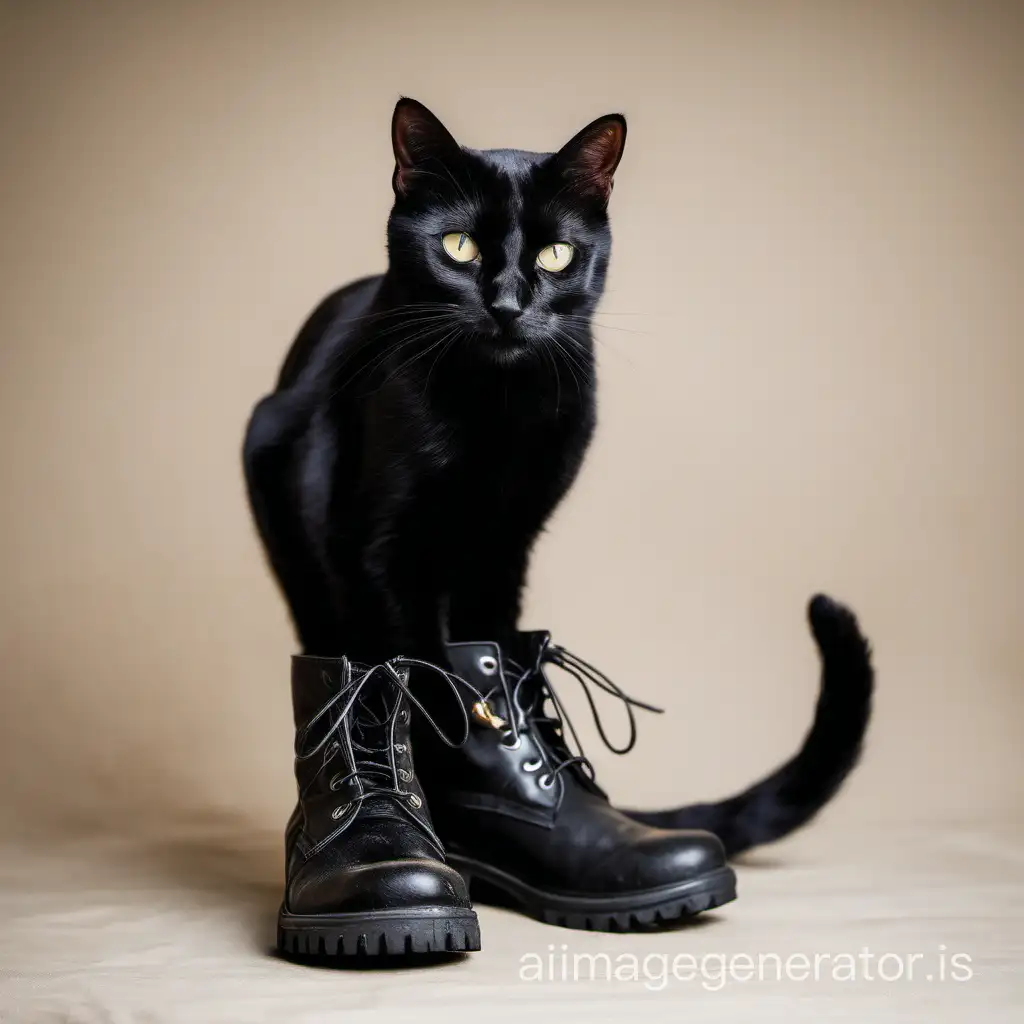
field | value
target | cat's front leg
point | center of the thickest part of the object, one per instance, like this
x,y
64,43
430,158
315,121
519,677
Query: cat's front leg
x,y
404,593
486,594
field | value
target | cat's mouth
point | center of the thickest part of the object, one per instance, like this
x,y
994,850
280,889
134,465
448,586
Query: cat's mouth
x,y
507,344
516,332
523,338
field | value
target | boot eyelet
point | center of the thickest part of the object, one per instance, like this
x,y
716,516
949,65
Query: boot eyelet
x,y
339,811
545,781
415,801
403,716
487,664
532,766
335,783
515,744
404,775
400,748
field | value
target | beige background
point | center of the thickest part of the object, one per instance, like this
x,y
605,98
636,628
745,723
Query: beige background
x,y
810,375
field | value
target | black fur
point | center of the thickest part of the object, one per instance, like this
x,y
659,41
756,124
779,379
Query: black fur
x,y
419,438
427,422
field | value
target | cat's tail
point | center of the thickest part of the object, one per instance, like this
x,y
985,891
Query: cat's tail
x,y
790,797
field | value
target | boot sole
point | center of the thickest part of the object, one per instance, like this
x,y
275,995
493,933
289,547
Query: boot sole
x,y
378,933
635,911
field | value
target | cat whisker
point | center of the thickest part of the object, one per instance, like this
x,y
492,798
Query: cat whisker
x,y
424,333
414,322
399,311
573,363
408,362
581,351
449,339
558,378
605,343
424,173
596,322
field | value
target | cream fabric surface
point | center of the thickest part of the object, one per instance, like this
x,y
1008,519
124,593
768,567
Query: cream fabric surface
x,y
180,930
810,365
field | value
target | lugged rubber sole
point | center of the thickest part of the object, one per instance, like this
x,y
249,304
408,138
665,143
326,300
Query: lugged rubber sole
x,y
378,933
625,912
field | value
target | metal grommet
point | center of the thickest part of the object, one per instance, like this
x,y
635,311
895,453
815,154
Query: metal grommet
x,y
515,744
339,811
414,800
404,775
335,782
487,664
400,748
545,781
532,766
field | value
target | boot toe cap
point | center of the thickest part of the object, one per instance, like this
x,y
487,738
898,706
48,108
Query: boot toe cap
x,y
665,857
383,885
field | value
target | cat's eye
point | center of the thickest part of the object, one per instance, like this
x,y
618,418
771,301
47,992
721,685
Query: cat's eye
x,y
555,257
460,247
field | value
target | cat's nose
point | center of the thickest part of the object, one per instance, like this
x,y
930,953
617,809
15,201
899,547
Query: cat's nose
x,y
505,310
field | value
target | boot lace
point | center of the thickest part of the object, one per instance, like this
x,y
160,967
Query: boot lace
x,y
531,690
375,768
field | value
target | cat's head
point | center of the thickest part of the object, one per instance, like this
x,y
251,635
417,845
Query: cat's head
x,y
515,243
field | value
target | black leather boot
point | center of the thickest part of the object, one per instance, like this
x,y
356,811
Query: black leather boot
x,y
522,818
366,872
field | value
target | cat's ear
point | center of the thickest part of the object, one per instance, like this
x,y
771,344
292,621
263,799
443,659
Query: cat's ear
x,y
590,157
418,139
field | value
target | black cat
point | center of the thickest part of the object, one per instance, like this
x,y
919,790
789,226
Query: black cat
x,y
427,422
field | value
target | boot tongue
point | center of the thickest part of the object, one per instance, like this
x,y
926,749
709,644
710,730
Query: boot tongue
x,y
480,663
522,659
527,652
370,728
524,669
370,720
526,648
314,682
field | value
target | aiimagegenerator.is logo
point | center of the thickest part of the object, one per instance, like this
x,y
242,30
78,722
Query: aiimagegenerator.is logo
x,y
713,971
